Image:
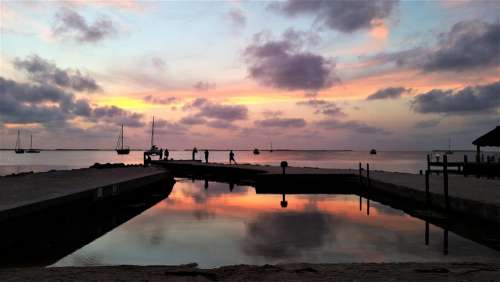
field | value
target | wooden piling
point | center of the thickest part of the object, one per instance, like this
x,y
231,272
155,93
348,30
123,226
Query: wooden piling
x,y
445,182
464,170
427,233
445,242
427,196
367,206
428,162
368,181
360,174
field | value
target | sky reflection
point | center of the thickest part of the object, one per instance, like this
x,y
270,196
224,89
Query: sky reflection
x,y
216,226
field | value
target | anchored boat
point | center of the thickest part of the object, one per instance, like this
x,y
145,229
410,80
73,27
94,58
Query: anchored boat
x,y
120,150
18,149
31,150
154,150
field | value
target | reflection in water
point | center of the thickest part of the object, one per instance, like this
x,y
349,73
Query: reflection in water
x,y
207,223
45,238
288,235
284,203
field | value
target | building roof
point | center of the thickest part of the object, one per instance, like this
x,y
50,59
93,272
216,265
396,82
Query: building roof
x,y
490,139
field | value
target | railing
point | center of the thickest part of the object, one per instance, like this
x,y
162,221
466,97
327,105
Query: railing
x,y
465,168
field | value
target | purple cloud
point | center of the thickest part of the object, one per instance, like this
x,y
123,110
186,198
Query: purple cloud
x,y
69,23
281,122
344,16
282,64
388,93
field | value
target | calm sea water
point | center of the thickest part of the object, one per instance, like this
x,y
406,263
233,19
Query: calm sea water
x,y
392,161
217,226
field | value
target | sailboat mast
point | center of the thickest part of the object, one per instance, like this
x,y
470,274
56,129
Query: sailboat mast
x,y
18,141
31,141
122,136
153,132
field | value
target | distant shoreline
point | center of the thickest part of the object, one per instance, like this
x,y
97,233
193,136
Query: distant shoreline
x,y
249,150
201,149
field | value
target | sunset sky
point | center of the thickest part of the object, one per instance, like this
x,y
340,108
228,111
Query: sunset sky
x,y
391,75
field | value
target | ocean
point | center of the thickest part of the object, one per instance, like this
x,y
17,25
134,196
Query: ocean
x,y
401,161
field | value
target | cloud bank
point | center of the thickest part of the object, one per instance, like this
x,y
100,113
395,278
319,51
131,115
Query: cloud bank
x,y
70,24
388,93
344,16
284,65
45,72
473,99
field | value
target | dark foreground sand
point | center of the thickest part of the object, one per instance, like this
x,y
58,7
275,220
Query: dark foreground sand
x,y
285,272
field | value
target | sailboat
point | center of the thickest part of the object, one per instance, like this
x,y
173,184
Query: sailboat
x,y
120,150
449,152
31,150
18,149
154,150
271,150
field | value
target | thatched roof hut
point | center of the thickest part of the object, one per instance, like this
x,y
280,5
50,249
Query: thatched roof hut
x,y
490,139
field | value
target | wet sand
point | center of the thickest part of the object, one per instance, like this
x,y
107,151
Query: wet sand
x,y
285,272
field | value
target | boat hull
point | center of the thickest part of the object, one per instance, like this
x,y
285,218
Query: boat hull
x,y
122,151
32,151
19,151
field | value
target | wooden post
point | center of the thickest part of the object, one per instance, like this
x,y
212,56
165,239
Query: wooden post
x,y
360,174
478,161
445,182
428,163
478,154
427,187
360,203
426,233
367,206
368,175
445,242
465,165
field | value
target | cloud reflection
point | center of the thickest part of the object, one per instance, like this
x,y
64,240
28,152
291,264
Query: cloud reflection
x,y
282,235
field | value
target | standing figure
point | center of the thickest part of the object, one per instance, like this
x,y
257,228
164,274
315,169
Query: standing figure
x,y
194,152
231,157
206,156
167,153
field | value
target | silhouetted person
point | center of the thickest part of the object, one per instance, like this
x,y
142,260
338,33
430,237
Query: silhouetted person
x,y
161,153
206,156
231,157
167,153
194,152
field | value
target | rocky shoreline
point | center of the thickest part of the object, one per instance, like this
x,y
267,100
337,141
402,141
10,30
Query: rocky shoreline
x,y
281,272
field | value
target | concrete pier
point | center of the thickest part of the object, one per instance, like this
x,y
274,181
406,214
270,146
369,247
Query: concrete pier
x,y
27,194
470,197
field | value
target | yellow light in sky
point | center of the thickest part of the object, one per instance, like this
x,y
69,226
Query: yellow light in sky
x,y
128,103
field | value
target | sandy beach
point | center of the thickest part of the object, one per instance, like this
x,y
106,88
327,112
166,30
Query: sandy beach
x,y
285,272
